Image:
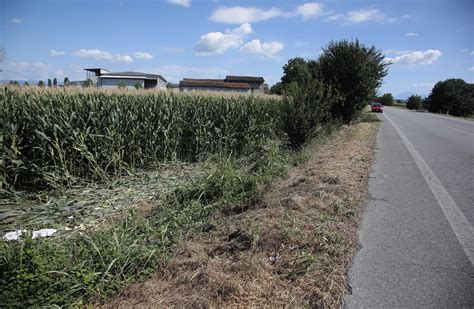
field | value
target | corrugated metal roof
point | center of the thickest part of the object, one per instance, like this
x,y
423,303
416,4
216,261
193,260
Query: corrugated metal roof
x,y
133,75
255,79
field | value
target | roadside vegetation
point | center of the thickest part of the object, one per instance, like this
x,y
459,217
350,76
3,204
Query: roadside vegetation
x,y
55,140
452,97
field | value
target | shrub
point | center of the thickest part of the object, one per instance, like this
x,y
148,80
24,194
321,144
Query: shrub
x,y
138,85
414,102
304,109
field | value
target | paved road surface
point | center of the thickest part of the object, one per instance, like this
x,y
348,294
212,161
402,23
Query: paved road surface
x,y
417,235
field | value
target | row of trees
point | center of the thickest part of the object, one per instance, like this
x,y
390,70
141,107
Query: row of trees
x,y
336,85
452,96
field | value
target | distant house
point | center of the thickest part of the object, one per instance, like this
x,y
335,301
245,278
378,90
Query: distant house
x,y
256,83
104,79
240,84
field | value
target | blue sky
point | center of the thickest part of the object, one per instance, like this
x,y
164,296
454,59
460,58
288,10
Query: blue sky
x,y
427,41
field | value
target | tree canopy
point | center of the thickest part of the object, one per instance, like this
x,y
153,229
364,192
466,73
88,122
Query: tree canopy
x,y
355,70
452,96
352,70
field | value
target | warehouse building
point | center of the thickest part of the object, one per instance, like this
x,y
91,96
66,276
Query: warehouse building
x,y
242,84
104,79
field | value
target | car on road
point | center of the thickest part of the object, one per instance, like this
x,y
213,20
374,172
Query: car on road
x,y
377,107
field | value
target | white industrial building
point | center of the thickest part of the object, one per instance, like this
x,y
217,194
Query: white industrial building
x,y
104,79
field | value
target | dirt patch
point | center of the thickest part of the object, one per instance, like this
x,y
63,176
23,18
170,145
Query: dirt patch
x,y
293,247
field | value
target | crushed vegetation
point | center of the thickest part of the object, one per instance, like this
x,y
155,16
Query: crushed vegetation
x,y
59,144
291,246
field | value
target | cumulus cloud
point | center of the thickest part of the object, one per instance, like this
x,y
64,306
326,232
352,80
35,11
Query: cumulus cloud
x,y
417,57
363,15
142,56
26,70
310,10
218,42
411,34
268,49
239,14
16,20
102,55
185,3
55,53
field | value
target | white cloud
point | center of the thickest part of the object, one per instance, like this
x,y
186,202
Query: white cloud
x,y
471,69
310,10
268,49
411,34
16,20
142,56
185,3
218,42
176,72
239,14
334,17
467,51
102,55
26,70
123,58
417,57
363,15
423,85
54,53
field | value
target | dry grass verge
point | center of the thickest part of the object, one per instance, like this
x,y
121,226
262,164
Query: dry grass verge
x,y
291,247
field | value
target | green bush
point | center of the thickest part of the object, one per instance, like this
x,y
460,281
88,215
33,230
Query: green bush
x,y
414,102
305,108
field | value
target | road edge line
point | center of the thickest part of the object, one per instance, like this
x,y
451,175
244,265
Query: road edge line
x,y
461,227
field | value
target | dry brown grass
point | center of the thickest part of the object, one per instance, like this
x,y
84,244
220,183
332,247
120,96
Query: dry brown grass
x,y
292,247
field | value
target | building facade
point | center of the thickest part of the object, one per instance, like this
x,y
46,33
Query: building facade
x,y
241,84
104,79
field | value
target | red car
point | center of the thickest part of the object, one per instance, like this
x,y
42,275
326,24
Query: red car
x,y
377,107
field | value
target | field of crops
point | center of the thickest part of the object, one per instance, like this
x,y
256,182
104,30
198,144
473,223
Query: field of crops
x,y
81,161
53,138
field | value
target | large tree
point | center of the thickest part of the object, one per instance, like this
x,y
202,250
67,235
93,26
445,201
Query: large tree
x,y
386,99
296,70
452,96
355,71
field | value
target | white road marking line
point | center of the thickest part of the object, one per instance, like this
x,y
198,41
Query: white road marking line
x,y
455,129
463,230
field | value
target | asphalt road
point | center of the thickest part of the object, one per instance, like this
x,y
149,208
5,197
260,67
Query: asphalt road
x,y
417,237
